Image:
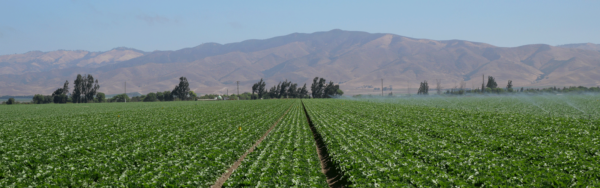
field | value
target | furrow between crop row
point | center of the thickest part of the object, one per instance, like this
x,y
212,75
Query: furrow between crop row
x,y
286,158
235,165
335,176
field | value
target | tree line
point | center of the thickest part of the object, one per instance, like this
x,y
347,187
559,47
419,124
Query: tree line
x,y
85,90
181,92
491,87
319,89
286,89
243,96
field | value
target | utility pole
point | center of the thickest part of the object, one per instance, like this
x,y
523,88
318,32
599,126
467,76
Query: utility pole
x,y
124,95
382,87
408,87
238,90
482,83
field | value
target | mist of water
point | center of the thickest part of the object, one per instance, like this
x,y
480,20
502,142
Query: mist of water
x,y
574,105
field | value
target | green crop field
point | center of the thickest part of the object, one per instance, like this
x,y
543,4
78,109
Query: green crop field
x,y
286,158
156,144
398,144
494,141
581,106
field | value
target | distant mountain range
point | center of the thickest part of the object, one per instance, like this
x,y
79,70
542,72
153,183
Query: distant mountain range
x,y
583,46
356,60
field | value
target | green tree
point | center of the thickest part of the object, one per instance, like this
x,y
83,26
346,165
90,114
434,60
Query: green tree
x,y
423,88
491,83
167,96
10,101
304,92
498,90
100,97
314,88
254,88
160,96
266,96
90,88
330,90
273,92
61,98
42,99
65,88
283,89
182,90
192,95
85,88
38,99
120,98
245,96
321,88
293,90
261,91
138,98
60,94
48,99
277,91
151,97
77,89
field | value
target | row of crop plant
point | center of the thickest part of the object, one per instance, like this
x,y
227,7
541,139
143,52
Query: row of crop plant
x,y
391,145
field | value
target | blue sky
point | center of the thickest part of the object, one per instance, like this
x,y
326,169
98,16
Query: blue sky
x,y
171,25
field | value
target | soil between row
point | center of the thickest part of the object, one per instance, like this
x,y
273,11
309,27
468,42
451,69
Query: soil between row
x,y
335,176
235,165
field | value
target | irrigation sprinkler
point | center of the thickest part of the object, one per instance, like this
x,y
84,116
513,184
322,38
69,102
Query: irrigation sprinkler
x,y
382,87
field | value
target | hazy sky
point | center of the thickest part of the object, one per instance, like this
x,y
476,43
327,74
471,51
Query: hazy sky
x,y
168,25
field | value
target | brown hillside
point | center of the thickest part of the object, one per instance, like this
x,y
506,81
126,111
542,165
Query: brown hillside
x,y
353,59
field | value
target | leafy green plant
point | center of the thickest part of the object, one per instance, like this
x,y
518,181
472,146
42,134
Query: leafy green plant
x,y
391,145
146,144
286,158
